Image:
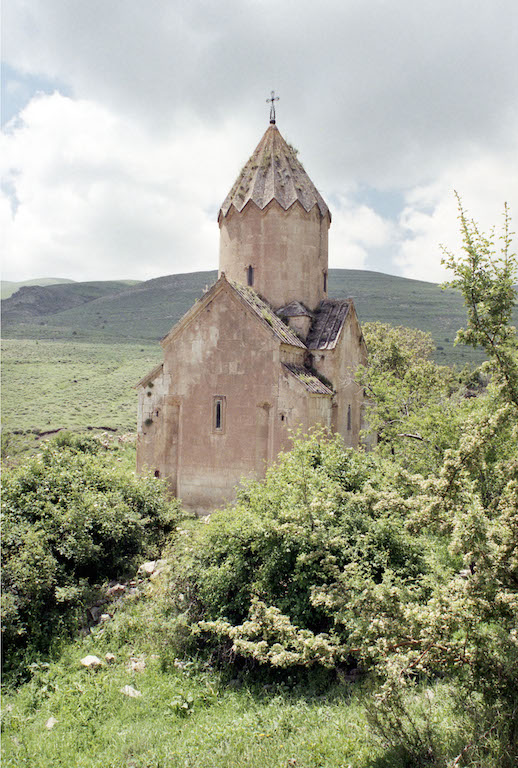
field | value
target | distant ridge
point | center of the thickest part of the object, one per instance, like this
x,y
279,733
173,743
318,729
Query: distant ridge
x,y
33,302
8,287
117,312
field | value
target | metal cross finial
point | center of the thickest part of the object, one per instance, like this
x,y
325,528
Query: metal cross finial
x,y
271,101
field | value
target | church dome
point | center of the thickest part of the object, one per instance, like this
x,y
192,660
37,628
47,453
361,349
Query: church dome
x,y
273,172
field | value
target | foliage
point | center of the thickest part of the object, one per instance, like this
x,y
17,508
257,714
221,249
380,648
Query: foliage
x,y
487,283
187,714
416,407
467,627
71,519
287,575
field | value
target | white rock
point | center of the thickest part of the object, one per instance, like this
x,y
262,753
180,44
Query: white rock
x,y
91,662
148,567
110,658
130,691
51,722
137,665
104,617
117,589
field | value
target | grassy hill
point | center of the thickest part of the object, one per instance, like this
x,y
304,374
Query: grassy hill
x,y
117,312
8,287
32,303
48,385
73,351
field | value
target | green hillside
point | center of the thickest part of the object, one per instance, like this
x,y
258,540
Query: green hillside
x,y
8,287
115,312
412,303
48,385
32,303
73,352
120,313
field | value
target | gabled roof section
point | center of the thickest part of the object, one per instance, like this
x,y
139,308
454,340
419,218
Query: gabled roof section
x,y
274,173
157,370
247,296
294,309
308,379
329,320
266,313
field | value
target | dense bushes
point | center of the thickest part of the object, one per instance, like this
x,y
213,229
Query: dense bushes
x,y
341,559
291,574
71,520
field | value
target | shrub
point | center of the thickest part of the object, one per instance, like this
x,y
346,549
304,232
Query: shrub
x,y
291,574
72,518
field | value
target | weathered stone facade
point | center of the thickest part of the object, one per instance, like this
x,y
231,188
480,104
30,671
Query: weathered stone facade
x,y
262,352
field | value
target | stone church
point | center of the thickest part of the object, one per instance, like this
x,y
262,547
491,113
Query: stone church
x,y
263,352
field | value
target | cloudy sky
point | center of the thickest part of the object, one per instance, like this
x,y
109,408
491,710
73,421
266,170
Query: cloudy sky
x,y
126,122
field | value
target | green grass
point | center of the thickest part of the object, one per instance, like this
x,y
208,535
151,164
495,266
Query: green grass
x,y
188,715
50,385
100,727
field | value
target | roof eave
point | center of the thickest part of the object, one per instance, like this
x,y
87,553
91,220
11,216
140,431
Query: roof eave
x,y
150,376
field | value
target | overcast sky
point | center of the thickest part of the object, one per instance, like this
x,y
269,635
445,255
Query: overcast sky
x,y
126,122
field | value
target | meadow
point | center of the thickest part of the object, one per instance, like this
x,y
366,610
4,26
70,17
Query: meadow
x,y
50,385
187,712
186,715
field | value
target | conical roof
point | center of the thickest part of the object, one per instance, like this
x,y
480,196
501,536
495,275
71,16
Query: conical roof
x,y
274,173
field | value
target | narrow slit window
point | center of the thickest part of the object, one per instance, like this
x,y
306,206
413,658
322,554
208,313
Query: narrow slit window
x,y
325,282
218,414
250,275
348,417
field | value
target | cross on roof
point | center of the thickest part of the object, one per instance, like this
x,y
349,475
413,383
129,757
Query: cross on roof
x,y
271,101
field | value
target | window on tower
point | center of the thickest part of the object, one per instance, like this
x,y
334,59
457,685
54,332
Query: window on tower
x,y
250,275
218,414
325,282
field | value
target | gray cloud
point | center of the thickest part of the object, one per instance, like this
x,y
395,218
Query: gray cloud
x,y
380,97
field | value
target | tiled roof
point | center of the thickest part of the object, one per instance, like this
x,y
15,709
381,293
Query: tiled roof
x,y
311,382
274,173
294,309
329,319
266,313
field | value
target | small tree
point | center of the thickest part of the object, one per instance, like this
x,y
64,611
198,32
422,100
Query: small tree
x,y
416,405
486,276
